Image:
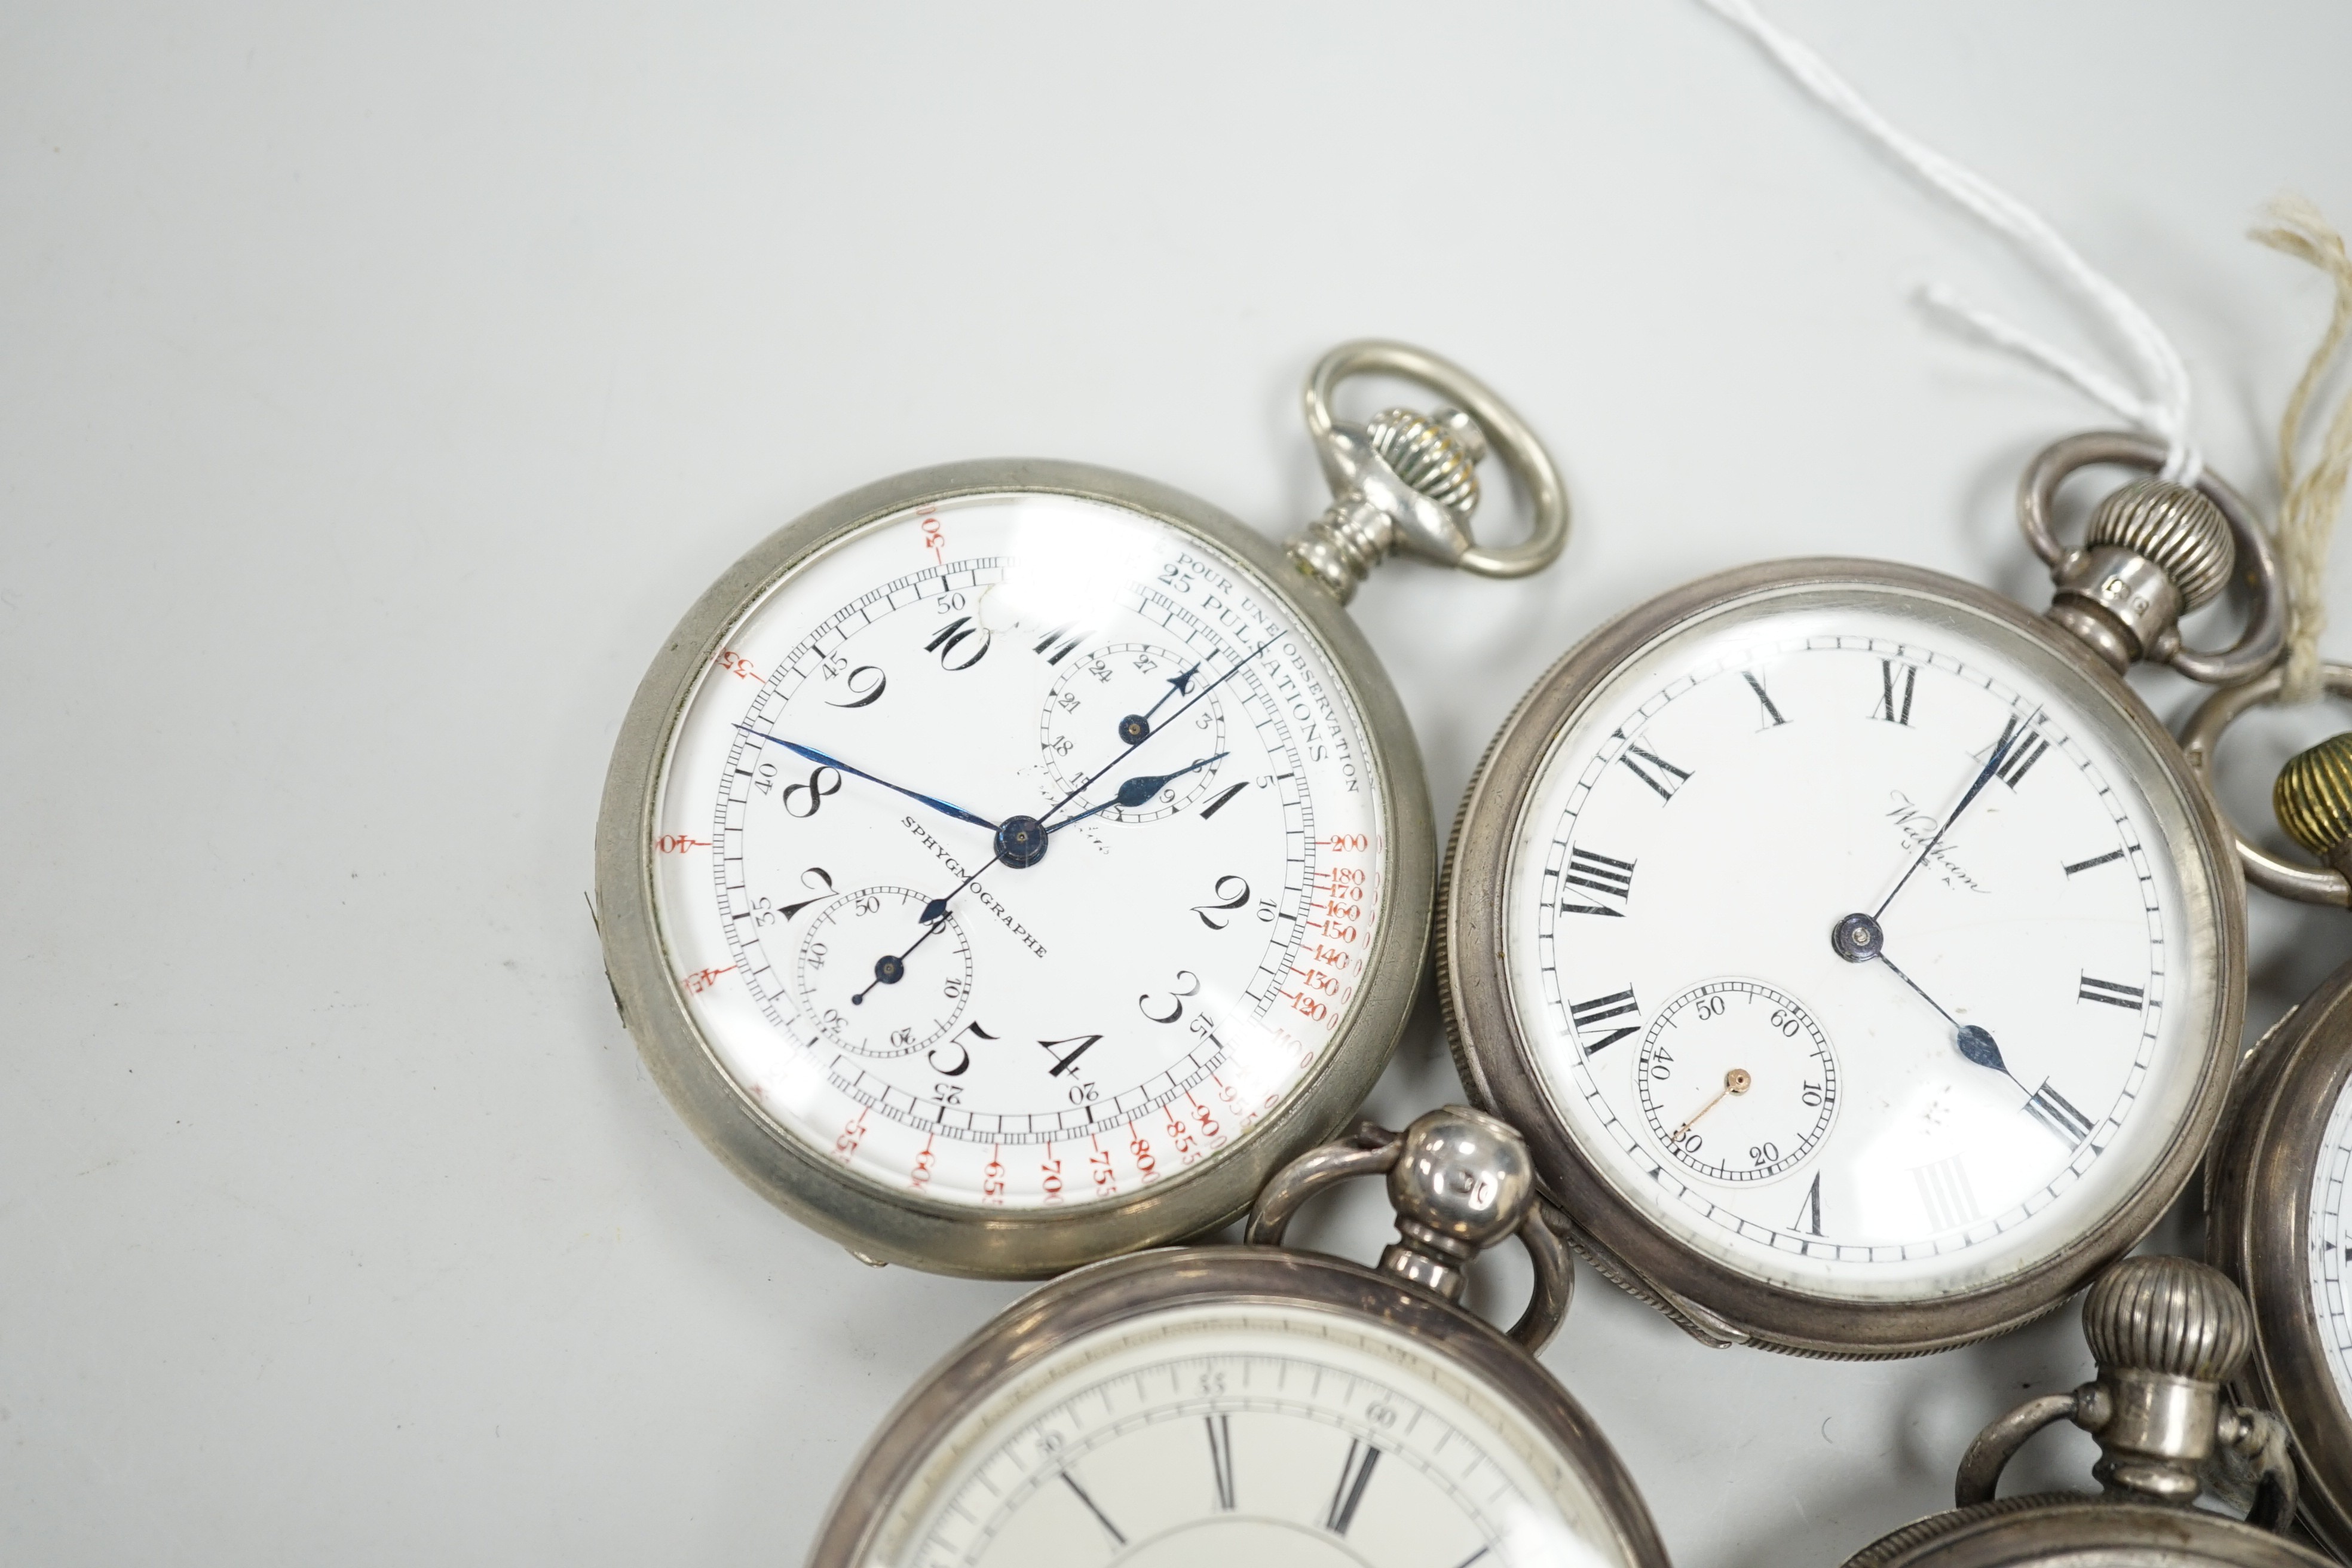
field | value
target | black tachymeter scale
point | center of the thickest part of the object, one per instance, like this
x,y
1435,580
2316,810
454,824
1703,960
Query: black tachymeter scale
x,y
886,1224
1499,1068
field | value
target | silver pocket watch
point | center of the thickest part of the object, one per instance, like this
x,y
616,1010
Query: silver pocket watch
x,y
2168,1334
2277,1214
1859,955
1253,1406
1010,864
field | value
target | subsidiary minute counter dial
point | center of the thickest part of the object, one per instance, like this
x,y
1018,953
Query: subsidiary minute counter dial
x,y
1010,864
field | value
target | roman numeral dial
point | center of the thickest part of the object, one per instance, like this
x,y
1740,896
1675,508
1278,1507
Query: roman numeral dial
x,y
1254,1431
1843,951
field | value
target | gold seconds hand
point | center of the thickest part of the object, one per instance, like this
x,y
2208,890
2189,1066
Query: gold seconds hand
x,y
1736,1082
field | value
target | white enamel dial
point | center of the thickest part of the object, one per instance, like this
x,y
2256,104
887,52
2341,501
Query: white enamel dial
x,y
1993,1060
1275,1435
2330,1231
1191,865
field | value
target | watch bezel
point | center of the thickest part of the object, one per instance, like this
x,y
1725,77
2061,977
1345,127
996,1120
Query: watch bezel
x,y
1127,1289
871,1218
1710,1297
2258,1231
2066,1528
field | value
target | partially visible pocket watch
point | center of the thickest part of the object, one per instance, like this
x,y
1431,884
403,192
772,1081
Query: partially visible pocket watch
x,y
1012,864
2279,1184
1253,1406
1857,951
2168,1334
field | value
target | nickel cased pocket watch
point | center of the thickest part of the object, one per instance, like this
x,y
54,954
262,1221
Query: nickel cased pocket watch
x,y
1259,1407
2277,1216
1010,864
1859,955
2168,1333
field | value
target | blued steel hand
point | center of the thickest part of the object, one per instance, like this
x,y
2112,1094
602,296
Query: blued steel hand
x,y
837,765
2002,750
1975,1041
1031,835
1136,791
1136,728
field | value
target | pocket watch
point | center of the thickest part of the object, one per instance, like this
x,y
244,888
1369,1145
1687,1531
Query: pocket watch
x,y
2277,1218
1251,1405
2167,1333
1856,951
1010,864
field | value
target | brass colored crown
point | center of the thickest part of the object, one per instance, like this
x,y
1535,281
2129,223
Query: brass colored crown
x,y
2178,529
1436,454
2313,798
2166,1315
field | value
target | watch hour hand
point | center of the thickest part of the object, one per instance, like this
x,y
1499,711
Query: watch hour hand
x,y
1138,790
1858,940
837,765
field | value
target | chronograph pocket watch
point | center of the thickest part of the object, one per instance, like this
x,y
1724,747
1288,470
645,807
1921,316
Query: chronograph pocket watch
x,y
1253,1406
2277,1214
1010,864
1859,956
2167,1333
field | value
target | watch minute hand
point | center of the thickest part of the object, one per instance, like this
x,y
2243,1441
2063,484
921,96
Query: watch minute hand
x,y
822,760
2010,738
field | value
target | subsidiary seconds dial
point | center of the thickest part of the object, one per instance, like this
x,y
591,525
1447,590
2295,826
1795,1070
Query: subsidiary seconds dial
x,y
1736,1082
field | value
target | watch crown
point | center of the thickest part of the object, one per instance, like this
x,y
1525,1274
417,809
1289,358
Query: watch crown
x,y
1437,454
1405,481
2170,1316
1462,1182
2177,528
2157,550
2312,799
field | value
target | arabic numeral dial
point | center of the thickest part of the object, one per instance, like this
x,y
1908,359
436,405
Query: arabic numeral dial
x,y
992,852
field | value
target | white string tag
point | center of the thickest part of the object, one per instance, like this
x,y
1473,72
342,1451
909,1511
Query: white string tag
x,y
2162,410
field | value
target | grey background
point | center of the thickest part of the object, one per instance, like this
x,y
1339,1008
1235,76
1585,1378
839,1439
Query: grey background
x,y
377,385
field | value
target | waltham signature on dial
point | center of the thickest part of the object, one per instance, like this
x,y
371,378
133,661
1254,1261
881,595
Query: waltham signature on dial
x,y
1919,828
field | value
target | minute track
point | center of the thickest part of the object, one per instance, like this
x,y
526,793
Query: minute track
x,y
1141,1113
1611,818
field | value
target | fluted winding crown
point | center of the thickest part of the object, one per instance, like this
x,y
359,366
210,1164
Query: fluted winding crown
x,y
2177,528
2166,1315
2313,798
1436,454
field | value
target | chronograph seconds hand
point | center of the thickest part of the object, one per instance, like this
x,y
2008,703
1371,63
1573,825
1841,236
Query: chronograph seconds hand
x,y
1134,792
1021,840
